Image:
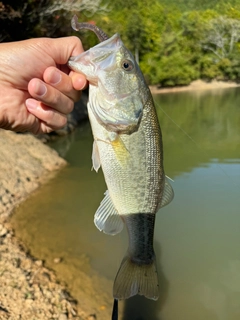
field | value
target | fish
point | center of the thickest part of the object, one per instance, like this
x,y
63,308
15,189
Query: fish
x,y
127,145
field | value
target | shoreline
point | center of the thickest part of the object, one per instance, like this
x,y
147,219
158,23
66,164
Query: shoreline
x,y
195,85
29,290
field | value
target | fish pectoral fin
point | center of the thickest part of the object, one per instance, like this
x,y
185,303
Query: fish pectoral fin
x,y
120,150
106,218
95,157
168,195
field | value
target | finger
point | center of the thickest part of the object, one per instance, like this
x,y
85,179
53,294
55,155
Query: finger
x,y
44,128
50,96
63,82
61,53
51,118
79,81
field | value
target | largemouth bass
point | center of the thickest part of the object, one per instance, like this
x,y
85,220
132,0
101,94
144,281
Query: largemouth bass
x,y
128,146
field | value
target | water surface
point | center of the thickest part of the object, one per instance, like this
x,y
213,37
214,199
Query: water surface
x,y
197,236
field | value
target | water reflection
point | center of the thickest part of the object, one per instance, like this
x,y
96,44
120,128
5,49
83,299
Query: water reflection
x,y
197,236
199,126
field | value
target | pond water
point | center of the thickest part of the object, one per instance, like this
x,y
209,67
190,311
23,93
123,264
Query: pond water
x,y
197,236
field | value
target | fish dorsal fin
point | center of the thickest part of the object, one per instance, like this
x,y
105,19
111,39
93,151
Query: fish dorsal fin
x,y
106,218
95,157
168,195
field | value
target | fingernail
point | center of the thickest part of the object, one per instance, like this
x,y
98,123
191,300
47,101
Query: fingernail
x,y
31,104
40,89
55,77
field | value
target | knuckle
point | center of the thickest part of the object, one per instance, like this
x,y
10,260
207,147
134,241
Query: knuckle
x,y
70,106
66,106
55,99
56,120
62,121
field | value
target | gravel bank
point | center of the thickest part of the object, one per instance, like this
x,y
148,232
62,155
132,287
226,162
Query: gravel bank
x,y
28,289
25,163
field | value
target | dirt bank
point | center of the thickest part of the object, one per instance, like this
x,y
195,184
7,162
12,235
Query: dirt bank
x,y
195,85
28,289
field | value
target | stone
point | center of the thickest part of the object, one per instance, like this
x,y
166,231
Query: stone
x,y
39,263
92,317
3,231
57,260
63,316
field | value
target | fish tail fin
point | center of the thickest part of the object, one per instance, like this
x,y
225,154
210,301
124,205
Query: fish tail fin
x,y
136,278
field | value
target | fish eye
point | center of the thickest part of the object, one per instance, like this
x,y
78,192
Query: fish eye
x,y
127,65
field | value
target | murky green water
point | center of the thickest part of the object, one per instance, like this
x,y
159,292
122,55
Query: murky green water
x,y
197,237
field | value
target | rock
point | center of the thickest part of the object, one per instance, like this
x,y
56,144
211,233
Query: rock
x,y
63,316
39,263
3,231
92,317
57,260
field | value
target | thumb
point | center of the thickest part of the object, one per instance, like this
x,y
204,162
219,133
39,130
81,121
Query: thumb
x,y
63,48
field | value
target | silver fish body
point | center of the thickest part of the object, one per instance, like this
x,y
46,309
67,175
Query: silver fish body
x,y
128,147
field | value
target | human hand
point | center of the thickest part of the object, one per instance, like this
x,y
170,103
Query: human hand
x,y
37,89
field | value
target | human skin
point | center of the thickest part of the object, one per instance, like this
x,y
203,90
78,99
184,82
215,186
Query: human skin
x,y
37,89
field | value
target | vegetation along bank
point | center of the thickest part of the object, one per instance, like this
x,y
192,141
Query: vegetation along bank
x,y
175,42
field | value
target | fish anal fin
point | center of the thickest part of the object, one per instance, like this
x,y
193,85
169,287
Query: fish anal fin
x,y
107,218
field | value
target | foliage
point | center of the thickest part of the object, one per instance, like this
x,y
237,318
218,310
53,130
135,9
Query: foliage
x,y
24,19
174,41
221,36
176,45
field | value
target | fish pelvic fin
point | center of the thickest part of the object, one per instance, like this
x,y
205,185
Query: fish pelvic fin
x,y
106,218
134,278
95,157
168,195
